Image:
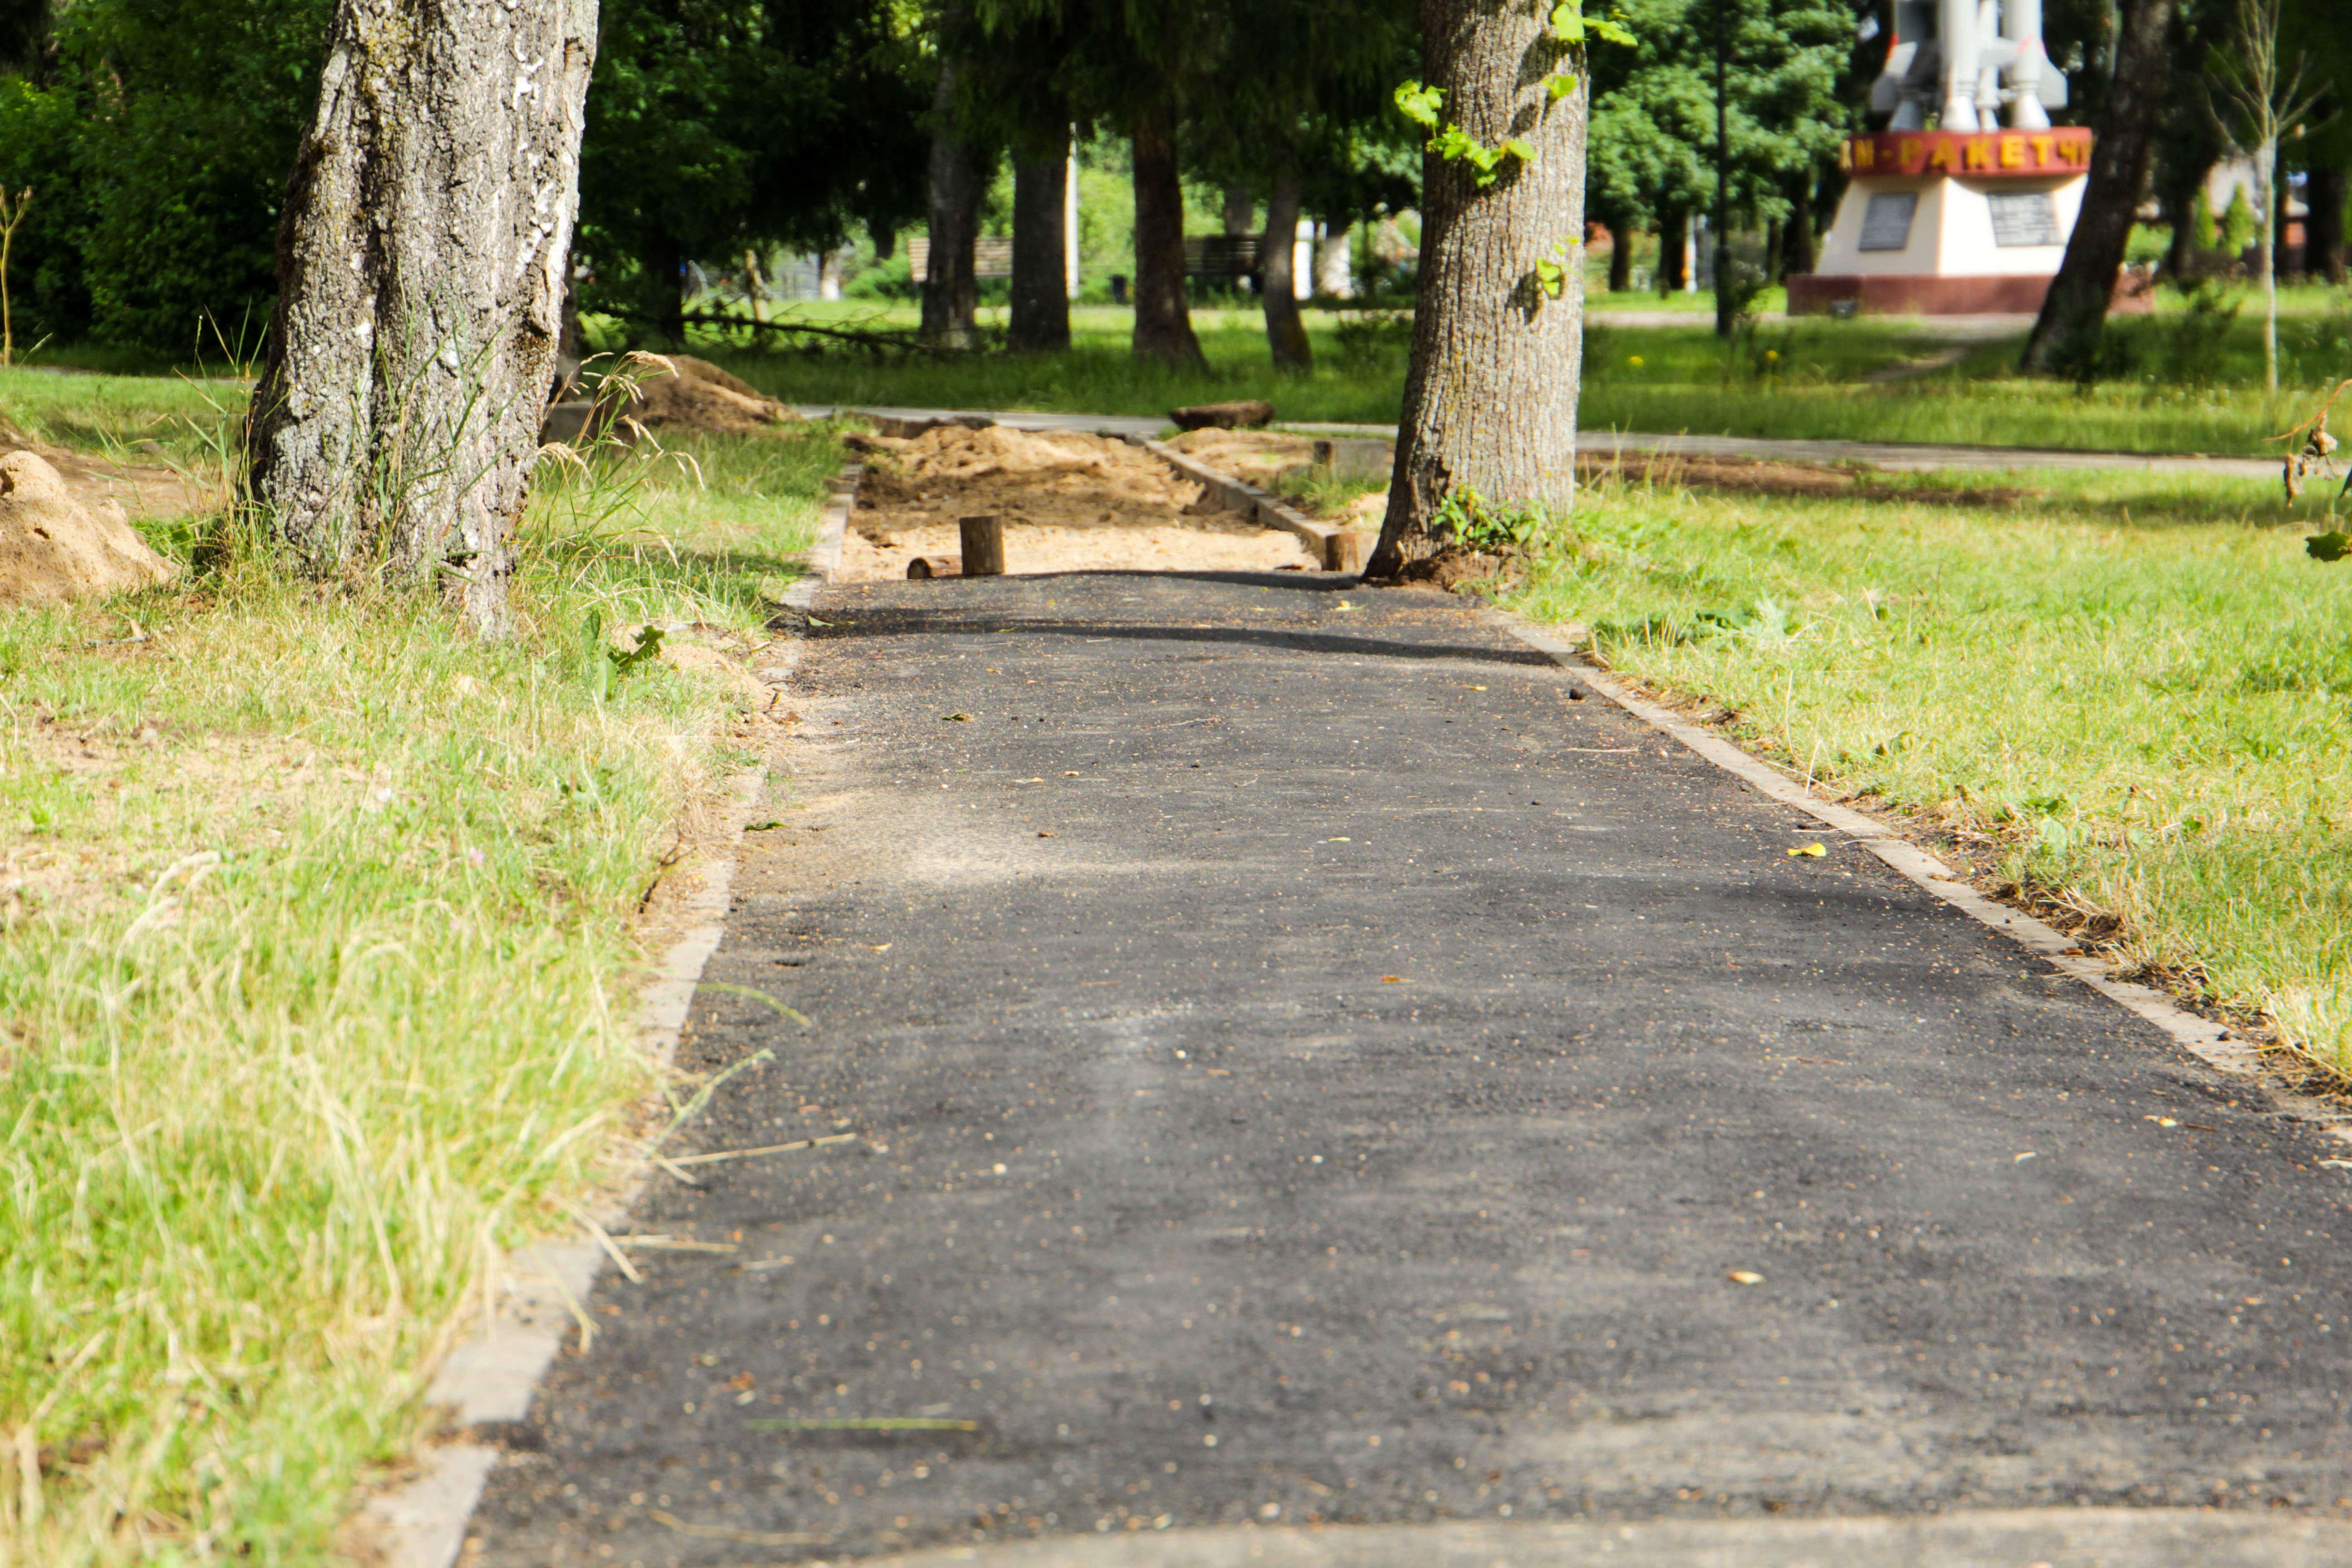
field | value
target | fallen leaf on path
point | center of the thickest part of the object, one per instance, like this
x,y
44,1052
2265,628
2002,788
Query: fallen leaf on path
x,y
1744,1277
1070,772
883,948
1043,834
1814,851
1393,980
760,826
2161,1120
955,718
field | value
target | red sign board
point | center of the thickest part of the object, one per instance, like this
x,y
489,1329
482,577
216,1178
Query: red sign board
x,y
1971,154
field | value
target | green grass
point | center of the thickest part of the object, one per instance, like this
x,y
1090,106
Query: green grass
x,y
2166,395
314,993
2133,697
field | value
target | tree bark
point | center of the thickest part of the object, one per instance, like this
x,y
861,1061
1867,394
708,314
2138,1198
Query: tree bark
x,y
422,262
1285,329
1041,287
951,282
2074,313
2326,194
1673,232
1163,314
1620,257
1490,396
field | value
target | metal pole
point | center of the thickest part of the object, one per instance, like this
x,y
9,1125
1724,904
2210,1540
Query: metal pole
x,y
1722,170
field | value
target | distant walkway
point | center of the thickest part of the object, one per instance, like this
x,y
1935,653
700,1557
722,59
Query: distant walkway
x,y
1905,455
1963,329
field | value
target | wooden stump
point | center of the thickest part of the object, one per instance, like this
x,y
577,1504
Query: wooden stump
x,y
983,546
1248,415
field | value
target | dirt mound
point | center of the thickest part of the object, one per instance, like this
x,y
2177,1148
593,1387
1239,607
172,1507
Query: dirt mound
x,y
55,545
679,392
1254,457
1070,501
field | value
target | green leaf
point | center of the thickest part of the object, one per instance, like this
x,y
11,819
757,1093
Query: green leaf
x,y
2329,546
1561,86
1568,22
1421,103
1524,151
1608,31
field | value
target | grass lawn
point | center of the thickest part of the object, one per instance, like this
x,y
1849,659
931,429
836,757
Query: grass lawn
x,y
315,989
2174,390
2132,698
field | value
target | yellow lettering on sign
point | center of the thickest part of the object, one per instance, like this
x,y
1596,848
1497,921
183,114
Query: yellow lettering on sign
x,y
1975,154
2012,152
1939,156
1865,154
1912,147
2042,145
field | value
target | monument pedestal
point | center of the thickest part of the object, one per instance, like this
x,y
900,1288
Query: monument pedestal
x,y
1949,222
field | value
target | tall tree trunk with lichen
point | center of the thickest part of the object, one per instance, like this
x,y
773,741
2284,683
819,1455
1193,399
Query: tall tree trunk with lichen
x,y
951,278
2074,312
1163,311
422,263
1490,398
1040,321
1277,250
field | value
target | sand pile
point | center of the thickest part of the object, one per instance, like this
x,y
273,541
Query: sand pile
x,y
55,545
671,391
1254,457
1069,501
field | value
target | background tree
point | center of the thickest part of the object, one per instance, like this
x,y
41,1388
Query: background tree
x,y
2262,90
421,267
718,124
1490,422
2132,107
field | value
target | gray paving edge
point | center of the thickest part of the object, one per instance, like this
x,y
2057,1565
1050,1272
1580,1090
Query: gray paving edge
x,y
542,1287
2053,1538
2213,1044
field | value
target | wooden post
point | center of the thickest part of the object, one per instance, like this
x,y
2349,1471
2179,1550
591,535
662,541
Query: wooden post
x,y
983,546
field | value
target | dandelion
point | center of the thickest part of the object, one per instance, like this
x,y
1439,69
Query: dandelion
x,y
1635,361
1771,354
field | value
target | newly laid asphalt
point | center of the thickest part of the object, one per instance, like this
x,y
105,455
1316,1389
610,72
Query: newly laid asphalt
x,y
1325,1091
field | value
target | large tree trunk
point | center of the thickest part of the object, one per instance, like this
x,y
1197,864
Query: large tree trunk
x,y
2329,187
2074,313
1041,285
951,284
422,260
1490,399
1674,235
1163,316
1285,329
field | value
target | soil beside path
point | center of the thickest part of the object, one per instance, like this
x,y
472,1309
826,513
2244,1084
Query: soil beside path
x,y
1308,1066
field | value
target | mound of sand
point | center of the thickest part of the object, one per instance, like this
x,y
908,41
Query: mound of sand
x,y
1070,503
55,545
672,392
1254,457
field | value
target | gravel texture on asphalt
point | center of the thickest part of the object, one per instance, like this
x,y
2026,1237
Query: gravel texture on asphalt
x,y
1309,1063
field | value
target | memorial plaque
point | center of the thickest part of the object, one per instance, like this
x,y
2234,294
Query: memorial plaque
x,y
2025,218
1887,221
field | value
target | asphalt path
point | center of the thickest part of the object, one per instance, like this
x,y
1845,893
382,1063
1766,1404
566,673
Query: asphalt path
x,y
1320,1087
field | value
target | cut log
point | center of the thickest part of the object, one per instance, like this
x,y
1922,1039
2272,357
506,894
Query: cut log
x,y
1248,415
983,546
927,567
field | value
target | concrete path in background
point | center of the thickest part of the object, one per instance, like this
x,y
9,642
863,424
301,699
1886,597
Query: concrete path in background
x,y
1320,1087
1906,456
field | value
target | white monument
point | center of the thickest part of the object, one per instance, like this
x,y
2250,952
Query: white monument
x,y
1971,214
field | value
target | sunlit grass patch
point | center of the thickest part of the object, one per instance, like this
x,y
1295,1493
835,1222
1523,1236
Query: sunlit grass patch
x,y
2131,697
314,986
